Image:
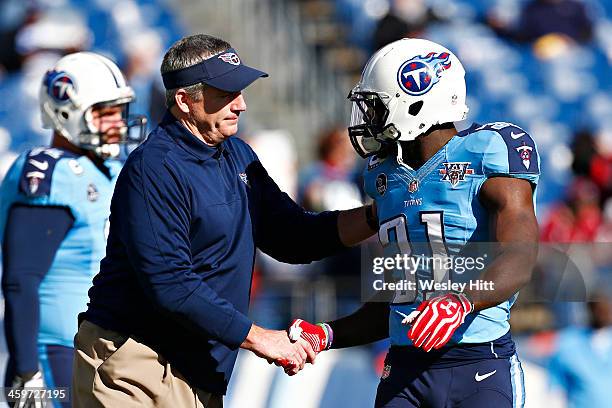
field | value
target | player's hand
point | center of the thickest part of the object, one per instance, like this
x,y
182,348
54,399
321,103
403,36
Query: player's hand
x,y
319,336
22,385
291,367
275,347
438,319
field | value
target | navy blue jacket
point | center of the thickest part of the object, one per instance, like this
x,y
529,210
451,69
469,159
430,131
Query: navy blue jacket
x,y
185,221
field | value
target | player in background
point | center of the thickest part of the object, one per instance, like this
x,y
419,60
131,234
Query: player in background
x,y
438,190
54,209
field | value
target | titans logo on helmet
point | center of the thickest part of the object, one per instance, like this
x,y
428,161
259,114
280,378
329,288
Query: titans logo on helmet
x,y
59,85
419,74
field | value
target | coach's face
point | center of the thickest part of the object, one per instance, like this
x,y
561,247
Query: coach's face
x,y
216,115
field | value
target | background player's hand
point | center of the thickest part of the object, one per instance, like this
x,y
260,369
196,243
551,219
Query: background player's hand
x,y
438,319
32,381
319,336
275,347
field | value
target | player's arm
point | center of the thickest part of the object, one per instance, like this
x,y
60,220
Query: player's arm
x,y
510,203
368,324
511,165
357,224
287,232
31,239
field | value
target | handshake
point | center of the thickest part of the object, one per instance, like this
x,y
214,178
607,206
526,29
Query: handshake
x,y
290,349
431,326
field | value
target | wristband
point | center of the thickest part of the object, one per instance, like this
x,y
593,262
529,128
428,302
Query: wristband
x,y
328,332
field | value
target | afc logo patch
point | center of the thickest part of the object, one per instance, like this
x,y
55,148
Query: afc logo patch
x,y
419,74
60,86
381,184
454,172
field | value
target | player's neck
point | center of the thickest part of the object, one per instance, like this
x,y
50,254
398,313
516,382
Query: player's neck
x,y
416,152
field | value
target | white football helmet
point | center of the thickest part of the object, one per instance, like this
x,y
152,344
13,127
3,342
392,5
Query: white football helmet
x,y
78,83
406,87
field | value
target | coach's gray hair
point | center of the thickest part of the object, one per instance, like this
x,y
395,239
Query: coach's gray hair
x,y
187,52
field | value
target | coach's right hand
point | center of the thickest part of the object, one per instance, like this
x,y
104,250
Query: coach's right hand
x,y
275,347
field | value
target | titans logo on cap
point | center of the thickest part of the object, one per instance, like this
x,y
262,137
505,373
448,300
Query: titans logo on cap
x,y
419,74
59,85
230,58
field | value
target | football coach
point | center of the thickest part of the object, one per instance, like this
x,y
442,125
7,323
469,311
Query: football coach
x,y
168,309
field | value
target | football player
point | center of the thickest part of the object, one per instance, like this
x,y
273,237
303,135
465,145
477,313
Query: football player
x,y
54,209
439,191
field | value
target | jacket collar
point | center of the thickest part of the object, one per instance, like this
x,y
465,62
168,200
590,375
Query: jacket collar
x,y
188,140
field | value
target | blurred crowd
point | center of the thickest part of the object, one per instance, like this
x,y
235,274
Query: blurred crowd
x,y
543,64
36,33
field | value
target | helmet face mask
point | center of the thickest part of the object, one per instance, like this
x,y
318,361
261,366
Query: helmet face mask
x,y
106,138
406,87
79,84
367,130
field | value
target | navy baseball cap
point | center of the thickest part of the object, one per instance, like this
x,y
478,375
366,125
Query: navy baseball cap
x,y
223,71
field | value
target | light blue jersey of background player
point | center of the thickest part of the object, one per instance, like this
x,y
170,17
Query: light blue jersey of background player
x,y
437,206
52,177
54,211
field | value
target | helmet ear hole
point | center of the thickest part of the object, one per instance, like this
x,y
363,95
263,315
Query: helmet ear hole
x,y
65,115
415,108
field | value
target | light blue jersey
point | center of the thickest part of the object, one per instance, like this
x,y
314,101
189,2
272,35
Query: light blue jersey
x,y
436,209
54,177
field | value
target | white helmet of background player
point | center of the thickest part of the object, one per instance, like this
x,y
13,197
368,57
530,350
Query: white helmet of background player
x,y
76,85
406,87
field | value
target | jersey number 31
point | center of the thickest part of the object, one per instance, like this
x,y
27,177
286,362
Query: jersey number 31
x,y
394,232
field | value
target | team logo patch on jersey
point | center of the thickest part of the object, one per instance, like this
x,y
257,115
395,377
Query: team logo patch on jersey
x,y
245,180
230,58
525,152
381,184
386,372
419,74
34,179
92,192
454,172
59,85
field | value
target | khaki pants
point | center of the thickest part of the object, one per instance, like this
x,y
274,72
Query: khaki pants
x,y
116,371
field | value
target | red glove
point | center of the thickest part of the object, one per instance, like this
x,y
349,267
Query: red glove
x,y
439,318
318,335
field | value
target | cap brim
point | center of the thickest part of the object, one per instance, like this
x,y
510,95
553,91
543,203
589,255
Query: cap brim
x,y
237,79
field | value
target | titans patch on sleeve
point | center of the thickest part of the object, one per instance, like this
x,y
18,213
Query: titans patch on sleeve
x,y
37,171
522,150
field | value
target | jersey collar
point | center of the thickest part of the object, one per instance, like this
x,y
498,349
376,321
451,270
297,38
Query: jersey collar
x,y
188,140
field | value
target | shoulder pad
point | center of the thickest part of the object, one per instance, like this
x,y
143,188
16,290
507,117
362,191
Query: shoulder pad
x,y
521,151
38,169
